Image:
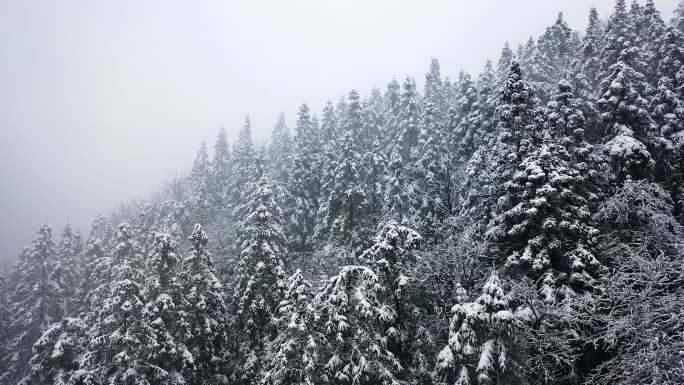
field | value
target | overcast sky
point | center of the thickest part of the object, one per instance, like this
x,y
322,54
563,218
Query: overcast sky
x,y
101,101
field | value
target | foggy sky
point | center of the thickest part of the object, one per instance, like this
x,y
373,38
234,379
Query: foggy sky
x,y
101,101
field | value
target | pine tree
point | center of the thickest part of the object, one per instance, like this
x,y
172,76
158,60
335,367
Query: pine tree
x,y
392,104
328,125
280,151
505,61
481,335
205,312
343,213
119,328
260,279
36,303
678,19
244,163
435,91
4,319
221,168
543,225
295,354
67,269
408,121
396,201
200,181
304,180
167,356
552,56
430,192
392,259
354,320
625,116
57,353
95,267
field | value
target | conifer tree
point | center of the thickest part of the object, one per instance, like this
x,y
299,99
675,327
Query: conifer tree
x,y
36,303
57,353
304,180
294,355
328,125
481,335
392,107
119,328
200,184
543,225
167,356
260,279
431,188
392,259
67,269
354,320
280,151
221,168
244,162
435,91
343,213
505,61
408,121
205,312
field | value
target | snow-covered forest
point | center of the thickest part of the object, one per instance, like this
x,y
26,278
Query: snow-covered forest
x,y
523,225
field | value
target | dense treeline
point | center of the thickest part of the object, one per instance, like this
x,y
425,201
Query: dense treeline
x,y
524,226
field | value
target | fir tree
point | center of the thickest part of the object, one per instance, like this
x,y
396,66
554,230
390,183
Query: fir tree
x,y
481,336
221,168
205,312
408,120
200,184
304,180
260,279
167,356
244,162
543,225
343,212
280,150
119,328
57,353
36,303
294,356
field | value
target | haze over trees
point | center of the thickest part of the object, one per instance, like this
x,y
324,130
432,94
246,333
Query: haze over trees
x,y
523,225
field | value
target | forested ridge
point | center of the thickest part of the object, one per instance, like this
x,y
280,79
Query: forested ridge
x,y
524,225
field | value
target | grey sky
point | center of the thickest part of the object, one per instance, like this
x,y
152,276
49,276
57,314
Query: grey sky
x,y
100,101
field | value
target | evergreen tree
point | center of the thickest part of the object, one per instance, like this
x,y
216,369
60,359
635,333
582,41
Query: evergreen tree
x,y
354,320
36,303
392,259
505,61
221,168
304,180
67,269
280,150
205,312
392,104
678,19
343,213
408,121
167,356
260,279
119,329
294,356
328,125
435,91
543,225
244,163
200,184
57,353
481,335
431,188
